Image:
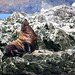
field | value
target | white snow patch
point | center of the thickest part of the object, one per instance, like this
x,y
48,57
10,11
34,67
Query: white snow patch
x,y
73,4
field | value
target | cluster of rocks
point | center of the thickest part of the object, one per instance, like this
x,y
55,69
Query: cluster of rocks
x,y
55,29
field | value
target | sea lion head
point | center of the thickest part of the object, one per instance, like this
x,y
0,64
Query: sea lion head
x,y
24,25
25,22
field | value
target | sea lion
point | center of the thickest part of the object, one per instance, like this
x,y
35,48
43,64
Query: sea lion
x,y
26,43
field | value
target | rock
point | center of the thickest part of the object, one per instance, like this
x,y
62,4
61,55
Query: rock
x,y
1,55
40,62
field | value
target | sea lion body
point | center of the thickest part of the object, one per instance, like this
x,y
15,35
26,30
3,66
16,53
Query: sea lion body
x,y
27,41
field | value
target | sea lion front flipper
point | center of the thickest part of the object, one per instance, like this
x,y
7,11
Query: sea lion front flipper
x,y
28,47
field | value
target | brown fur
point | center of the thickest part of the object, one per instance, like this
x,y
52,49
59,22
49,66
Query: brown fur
x,y
26,36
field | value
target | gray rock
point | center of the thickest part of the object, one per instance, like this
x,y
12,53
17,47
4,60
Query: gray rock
x,y
1,55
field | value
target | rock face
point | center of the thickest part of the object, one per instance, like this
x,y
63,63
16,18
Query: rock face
x,y
55,29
